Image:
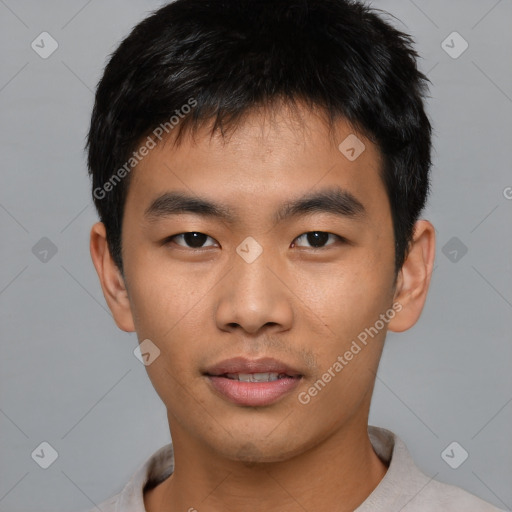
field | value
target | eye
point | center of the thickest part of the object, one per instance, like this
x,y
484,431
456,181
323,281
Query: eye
x,y
317,239
191,240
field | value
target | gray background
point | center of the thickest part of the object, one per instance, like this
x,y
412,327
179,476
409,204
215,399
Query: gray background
x,y
69,376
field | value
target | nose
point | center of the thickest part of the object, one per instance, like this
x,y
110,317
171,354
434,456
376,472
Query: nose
x,y
254,296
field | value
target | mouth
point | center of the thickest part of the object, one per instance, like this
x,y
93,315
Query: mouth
x,y
252,382
256,377
263,368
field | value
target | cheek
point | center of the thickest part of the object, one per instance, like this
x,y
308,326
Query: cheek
x,y
171,319
349,347
347,298
164,299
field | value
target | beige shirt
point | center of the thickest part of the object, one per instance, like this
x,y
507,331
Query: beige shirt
x,y
404,488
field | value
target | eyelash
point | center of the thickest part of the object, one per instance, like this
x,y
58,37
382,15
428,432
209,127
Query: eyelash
x,y
170,239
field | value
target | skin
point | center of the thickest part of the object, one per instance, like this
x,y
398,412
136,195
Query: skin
x,y
295,303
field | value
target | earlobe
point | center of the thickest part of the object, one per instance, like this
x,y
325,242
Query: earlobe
x,y
413,280
111,280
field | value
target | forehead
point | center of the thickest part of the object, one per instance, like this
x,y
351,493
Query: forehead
x,y
271,155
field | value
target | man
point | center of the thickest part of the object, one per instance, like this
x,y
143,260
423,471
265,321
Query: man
x,y
259,168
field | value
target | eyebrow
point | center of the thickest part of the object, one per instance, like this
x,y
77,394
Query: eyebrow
x,y
333,200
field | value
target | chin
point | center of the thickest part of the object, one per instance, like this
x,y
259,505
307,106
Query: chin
x,y
252,450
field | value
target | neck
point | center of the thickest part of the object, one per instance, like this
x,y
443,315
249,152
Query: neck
x,y
337,474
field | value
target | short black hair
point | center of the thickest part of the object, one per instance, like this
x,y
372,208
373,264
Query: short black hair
x,y
197,61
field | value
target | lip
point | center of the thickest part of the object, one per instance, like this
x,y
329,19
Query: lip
x,y
244,365
252,394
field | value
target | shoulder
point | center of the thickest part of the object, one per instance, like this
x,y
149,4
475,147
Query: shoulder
x,y
406,488
437,496
154,470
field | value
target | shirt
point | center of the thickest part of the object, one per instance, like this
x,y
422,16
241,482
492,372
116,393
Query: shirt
x,y
404,488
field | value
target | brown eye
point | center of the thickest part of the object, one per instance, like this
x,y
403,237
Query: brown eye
x,y
191,240
316,239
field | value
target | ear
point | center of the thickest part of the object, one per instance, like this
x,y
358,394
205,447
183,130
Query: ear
x,y
413,280
112,282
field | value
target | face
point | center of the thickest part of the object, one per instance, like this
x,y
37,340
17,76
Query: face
x,y
253,283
